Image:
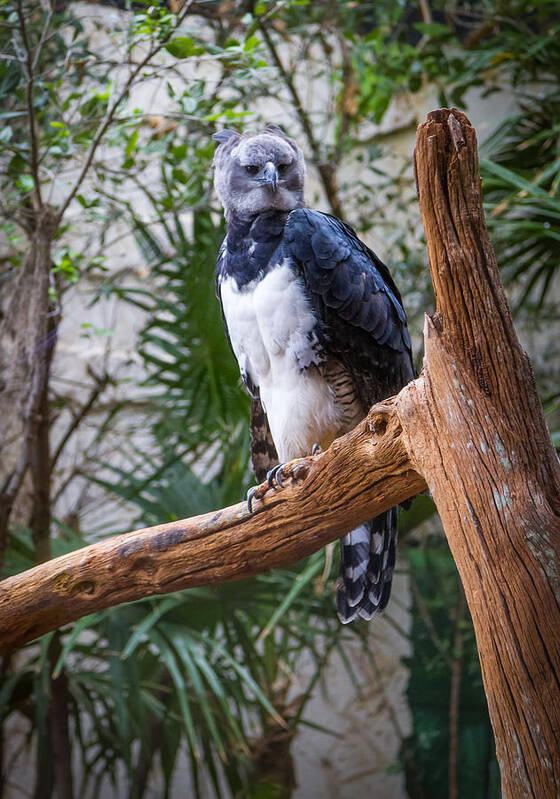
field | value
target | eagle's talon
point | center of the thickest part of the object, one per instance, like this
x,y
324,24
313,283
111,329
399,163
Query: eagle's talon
x,y
275,476
316,449
250,494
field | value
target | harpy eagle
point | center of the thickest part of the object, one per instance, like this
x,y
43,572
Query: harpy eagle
x,y
318,329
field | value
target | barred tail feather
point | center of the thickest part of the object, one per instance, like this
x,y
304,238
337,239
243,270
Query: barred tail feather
x,y
367,561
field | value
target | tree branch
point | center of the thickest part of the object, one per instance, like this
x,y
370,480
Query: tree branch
x,y
478,435
110,115
101,382
29,67
367,470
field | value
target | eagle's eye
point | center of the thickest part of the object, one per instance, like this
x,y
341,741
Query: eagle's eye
x,y
252,169
282,169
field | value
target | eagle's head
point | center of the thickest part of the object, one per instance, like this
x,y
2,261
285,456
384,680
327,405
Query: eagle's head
x,y
258,172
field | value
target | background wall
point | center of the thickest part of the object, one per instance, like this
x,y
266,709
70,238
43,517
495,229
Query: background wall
x,y
147,412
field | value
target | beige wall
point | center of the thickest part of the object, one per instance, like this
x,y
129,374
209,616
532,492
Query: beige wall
x,y
357,759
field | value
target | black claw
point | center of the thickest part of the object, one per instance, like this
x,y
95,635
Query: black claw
x,y
250,495
275,476
316,449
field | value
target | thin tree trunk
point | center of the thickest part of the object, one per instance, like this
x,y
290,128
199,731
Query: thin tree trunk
x,y
30,330
475,430
39,455
59,725
455,698
25,351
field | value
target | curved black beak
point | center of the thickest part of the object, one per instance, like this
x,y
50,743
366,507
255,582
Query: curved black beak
x,y
269,176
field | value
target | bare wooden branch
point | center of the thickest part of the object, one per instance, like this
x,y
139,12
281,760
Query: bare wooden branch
x,y
368,470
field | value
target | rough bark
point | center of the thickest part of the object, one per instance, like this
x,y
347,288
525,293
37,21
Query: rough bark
x,y
367,470
470,427
475,430
26,343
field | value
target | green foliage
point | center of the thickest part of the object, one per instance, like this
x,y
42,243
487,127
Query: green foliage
x,y
514,42
208,669
522,193
202,396
437,619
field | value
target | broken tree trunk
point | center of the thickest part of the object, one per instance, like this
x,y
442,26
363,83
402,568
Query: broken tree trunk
x,y
475,430
470,427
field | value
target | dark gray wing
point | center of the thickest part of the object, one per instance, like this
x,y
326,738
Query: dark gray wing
x,y
362,323
361,320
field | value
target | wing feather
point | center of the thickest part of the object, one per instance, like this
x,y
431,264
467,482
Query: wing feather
x,y
362,323
359,309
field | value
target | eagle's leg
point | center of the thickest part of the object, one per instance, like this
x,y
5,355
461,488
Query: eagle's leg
x,y
275,477
273,480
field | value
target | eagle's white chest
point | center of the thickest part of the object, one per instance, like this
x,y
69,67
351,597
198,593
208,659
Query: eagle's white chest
x,y
271,327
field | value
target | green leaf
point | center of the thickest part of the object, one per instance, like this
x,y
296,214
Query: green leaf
x,y
182,47
81,625
25,183
182,644
251,43
248,679
432,28
301,581
168,657
512,178
147,623
131,143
